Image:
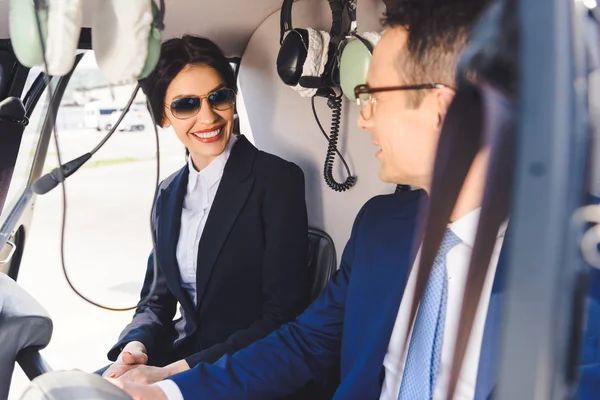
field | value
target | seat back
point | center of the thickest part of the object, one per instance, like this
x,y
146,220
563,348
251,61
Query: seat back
x,y
23,324
322,260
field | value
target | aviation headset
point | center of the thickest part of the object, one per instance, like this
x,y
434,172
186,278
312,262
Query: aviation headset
x,y
127,46
354,55
306,59
126,39
308,63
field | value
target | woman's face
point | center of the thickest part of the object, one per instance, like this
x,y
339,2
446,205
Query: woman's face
x,y
205,134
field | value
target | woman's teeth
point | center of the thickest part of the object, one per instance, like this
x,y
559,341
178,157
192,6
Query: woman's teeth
x,y
207,135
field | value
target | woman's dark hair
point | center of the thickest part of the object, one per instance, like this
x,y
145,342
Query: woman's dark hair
x,y
175,54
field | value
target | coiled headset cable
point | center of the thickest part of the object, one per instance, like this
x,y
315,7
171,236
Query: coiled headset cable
x,y
334,102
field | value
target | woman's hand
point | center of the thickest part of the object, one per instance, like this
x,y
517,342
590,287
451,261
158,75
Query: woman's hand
x,y
146,374
132,356
140,392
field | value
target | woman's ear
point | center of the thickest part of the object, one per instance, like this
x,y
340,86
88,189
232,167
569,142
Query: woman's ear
x,y
165,122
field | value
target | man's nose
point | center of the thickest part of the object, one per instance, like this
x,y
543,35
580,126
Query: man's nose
x,y
362,123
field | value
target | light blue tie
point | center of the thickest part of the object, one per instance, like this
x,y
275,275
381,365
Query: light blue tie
x,y
425,349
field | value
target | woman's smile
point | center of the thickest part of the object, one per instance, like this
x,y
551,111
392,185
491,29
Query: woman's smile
x,y
210,135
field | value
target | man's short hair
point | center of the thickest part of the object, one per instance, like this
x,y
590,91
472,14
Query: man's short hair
x,y
438,30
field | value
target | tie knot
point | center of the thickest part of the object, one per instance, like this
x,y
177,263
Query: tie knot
x,y
448,243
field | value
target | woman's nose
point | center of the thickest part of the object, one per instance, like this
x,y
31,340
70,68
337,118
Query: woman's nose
x,y
207,115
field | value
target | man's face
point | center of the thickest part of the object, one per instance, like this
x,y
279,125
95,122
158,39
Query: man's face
x,y
407,136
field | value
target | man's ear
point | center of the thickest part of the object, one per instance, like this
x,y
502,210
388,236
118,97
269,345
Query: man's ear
x,y
444,97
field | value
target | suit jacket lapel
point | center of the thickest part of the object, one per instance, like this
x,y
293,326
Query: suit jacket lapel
x,y
405,224
398,276
231,196
169,224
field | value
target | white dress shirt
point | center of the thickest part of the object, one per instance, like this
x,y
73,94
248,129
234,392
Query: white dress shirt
x,y
457,264
201,191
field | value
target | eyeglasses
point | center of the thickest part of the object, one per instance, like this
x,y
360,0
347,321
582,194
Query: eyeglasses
x,y
186,107
365,100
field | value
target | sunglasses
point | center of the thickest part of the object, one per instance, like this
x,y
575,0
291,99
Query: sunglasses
x,y
187,107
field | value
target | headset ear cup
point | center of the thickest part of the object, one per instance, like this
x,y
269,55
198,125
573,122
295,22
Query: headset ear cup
x,y
307,58
64,27
122,38
302,61
24,35
154,47
292,56
60,22
354,63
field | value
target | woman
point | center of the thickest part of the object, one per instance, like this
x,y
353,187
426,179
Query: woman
x,y
231,233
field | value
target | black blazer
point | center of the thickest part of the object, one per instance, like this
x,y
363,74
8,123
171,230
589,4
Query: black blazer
x,y
252,273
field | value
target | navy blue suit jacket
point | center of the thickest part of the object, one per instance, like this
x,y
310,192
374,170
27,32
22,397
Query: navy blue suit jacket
x,y
350,324
252,273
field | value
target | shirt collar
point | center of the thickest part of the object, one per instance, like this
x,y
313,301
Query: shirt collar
x,y
212,173
193,175
466,227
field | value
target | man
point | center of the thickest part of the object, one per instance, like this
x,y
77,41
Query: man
x,y
359,323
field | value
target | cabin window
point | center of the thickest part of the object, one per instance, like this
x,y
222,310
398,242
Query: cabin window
x,y
29,143
107,239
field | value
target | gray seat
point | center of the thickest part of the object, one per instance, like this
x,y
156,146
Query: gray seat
x,y
322,260
72,385
24,324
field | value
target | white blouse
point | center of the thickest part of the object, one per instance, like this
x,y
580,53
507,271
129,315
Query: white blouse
x,y
201,190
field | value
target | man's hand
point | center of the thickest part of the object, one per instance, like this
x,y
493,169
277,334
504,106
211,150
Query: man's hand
x,y
132,356
145,374
140,392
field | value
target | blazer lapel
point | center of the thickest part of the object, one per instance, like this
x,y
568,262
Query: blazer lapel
x,y
397,279
169,224
488,359
231,196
